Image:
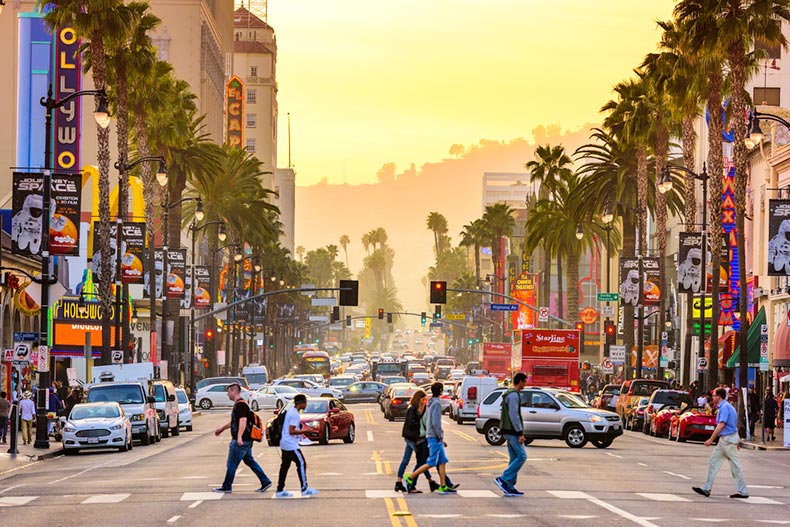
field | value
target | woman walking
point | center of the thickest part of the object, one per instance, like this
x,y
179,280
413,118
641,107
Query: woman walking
x,y
411,436
770,409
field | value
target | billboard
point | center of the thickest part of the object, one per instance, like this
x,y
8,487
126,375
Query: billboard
x,y
158,284
525,289
779,237
68,79
133,257
234,112
176,273
651,293
202,287
72,324
629,281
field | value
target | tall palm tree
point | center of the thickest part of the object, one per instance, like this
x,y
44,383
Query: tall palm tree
x,y
344,241
474,235
300,250
437,223
499,223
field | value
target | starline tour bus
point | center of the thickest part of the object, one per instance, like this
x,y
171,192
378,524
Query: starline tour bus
x,y
549,357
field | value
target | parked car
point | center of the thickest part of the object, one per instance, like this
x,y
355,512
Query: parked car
x,y
549,413
137,402
659,422
607,397
632,389
271,397
363,391
309,388
692,422
184,409
322,419
208,381
97,425
396,402
216,395
636,416
659,399
167,407
467,396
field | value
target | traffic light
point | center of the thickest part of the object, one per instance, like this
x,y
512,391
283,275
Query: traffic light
x,y
610,332
209,335
389,318
580,326
437,312
335,314
470,341
348,321
349,292
381,313
423,318
438,292
205,363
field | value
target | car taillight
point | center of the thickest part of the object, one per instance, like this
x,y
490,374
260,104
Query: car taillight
x,y
650,409
478,411
397,402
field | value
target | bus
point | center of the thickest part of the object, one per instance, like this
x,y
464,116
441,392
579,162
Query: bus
x,y
549,357
386,368
314,363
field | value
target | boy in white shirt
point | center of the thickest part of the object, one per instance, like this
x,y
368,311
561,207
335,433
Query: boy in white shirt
x,y
289,445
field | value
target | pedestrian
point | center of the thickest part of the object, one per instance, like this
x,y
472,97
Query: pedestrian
x,y
727,449
512,426
74,398
702,399
27,412
240,446
5,412
414,436
289,448
770,409
436,444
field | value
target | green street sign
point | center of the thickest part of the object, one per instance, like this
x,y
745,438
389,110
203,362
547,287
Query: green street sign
x,y
695,330
608,297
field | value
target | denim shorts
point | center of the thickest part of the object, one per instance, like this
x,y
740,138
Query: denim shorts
x,y
436,455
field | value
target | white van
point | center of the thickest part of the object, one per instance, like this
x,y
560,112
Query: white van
x,y
257,376
470,392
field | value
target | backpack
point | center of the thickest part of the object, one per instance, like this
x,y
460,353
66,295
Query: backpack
x,y
276,429
256,427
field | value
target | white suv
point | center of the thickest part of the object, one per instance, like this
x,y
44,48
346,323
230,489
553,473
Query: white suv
x,y
551,414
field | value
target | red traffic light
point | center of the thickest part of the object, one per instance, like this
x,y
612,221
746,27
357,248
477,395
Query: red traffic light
x,y
609,328
580,326
381,314
438,286
438,292
205,363
209,333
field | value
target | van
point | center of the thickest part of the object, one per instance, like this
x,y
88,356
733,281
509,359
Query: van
x,y
137,401
632,390
470,391
166,404
257,376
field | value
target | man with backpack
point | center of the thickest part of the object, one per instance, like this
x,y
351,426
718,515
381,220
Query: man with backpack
x,y
512,427
289,446
240,447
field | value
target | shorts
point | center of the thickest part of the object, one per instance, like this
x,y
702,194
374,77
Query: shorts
x,y
436,455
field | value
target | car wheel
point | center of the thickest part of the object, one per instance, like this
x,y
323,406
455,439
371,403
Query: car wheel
x,y
389,416
493,434
165,433
205,404
324,440
528,441
575,437
601,443
458,419
176,431
279,404
679,438
351,434
124,448
255,406
189,428
145,439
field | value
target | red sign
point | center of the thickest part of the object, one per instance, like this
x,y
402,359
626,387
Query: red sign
x,y
550,343
588,315
496,348
525,289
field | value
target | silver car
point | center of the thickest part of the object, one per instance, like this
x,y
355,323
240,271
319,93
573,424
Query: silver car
x,y
549,413
97,425
184,410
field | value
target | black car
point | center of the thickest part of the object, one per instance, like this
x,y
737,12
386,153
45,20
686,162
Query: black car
x,y
396,402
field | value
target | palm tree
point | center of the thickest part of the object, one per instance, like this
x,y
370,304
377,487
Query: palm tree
x,y
437,223
344,241
300,250
474,235
499,223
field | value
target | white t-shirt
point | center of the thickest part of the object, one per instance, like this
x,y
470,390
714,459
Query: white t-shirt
x,y
702,400
288,440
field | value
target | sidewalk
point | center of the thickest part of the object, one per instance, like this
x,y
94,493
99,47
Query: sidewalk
x,y
757,444
27,454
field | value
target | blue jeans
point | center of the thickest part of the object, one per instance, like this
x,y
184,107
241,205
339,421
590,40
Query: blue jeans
x,y
237,454
518,456
411,446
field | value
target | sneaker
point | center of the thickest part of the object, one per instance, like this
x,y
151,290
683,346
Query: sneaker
x,y
409,482
222,490
433,485
444,489
309,491
515,492
454,486
399,487
282,494
264,487
500,483
739,496
702,491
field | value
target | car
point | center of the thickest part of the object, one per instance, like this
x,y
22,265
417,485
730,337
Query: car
x,y
442,373
635,418
341,381
257,376
607,397
467,395
632,389
392,379
692,422
390,387
208,381
549,413
271,397
363,391
396,402
658,399
216,395
323,419
472,367
309,388
447,394
184,410
97,425
420,378
137,402
316,378
660,421
167,407
457,374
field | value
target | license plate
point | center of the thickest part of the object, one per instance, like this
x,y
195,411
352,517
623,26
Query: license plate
x,y
92,440
709,427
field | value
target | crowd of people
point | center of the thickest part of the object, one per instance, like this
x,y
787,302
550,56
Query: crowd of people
x,y
61,400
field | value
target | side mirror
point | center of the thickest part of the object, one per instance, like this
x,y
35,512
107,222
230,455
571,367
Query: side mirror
x,y
334,411
276,412
151,399
171,398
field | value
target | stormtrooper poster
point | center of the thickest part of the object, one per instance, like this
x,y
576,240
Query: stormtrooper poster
x,y
651,294
202,287
690,262
158,284
28,209
779,237
176,274
629,282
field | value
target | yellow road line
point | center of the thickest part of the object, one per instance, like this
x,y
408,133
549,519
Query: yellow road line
x,y
503,454
369,417
465,436
408,518
473,469
377,458
395,520
387,467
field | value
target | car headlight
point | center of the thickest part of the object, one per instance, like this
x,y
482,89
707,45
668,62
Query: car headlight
x,y
116,427
312,424
138,417
69,429
596,418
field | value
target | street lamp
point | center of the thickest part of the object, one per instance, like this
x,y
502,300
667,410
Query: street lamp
x,y
102,116
608,228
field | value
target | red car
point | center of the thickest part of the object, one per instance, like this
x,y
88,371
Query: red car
x,y
659,423
692,423
604,400
323,418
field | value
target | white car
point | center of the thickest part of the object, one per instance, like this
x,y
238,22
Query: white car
x,y
309,388
271,397
457,375
184,410
217,395
97,425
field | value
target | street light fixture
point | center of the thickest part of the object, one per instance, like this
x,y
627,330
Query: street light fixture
x,y
666,184
579,232
221,234
134,315
608,213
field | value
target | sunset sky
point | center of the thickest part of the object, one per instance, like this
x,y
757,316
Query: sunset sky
x,y
369,82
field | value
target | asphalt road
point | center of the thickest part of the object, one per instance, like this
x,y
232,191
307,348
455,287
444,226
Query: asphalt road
x,y
637,481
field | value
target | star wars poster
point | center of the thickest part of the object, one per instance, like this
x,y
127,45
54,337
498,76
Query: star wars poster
x,y
176,274
202,287
157,274
651,294
28,210
779,237
629,281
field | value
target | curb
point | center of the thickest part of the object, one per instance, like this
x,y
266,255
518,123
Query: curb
x,y
760,446
49,455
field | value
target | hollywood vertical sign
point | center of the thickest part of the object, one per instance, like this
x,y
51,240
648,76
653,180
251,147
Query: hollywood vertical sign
x,y
728,301
68,79
234,112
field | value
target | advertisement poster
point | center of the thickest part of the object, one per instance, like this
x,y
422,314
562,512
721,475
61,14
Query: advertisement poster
x,y
202,287
629,281
158,284
176,273
651,294
68,71
28,210
779,237
525,290
134,257
690,262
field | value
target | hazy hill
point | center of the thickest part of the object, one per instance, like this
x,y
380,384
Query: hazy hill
x,y
402,199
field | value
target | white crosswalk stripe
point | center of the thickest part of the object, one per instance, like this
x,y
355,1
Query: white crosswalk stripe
x,y
12,501
661,497
201,496
106,498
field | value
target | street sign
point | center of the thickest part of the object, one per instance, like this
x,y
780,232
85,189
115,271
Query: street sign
x,y
455,316
702,363
117,356
764,347
8,356
42,359
543,314
607,311
695,331
607,367
504,307
22,351
617,354
435,324
318,318
307,286
608,297
359,324
25,336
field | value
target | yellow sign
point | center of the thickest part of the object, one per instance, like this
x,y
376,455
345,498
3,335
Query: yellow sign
x,y
708,307
367,327
588,315
455,316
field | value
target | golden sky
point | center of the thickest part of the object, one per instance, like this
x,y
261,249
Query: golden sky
x,y
370,81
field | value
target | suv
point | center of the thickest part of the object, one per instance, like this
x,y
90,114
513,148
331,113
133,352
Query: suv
x,y
208,381
632,390
663,398
167,407
137,402
549,413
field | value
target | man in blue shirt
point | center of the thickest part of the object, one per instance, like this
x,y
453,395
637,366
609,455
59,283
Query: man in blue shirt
x,y
727,449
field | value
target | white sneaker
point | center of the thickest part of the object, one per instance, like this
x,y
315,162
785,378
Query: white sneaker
x,y
309,491
283,494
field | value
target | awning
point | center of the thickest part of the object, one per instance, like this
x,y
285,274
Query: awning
x,y
752,343
727,344
782,345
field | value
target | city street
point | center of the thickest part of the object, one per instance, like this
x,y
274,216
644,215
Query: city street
x,y
639,480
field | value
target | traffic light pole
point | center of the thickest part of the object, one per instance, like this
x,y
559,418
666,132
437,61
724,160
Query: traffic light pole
x,y
517,301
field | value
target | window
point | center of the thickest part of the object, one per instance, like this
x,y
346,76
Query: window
x,y
251,96
766,96
253,71
251,118
250,145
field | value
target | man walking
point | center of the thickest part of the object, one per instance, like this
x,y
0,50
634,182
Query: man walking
x,y
289,445
27,411
435,436
512,427
5,411
729,444
240,446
